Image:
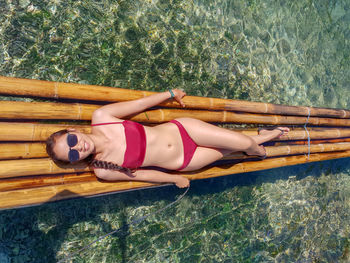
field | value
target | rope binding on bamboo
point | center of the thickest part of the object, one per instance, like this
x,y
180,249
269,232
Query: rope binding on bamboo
x,y
308,135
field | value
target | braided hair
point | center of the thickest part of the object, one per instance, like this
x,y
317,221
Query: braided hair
x,y
109,166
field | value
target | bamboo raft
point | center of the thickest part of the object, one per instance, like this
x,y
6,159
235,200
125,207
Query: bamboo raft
x,y
28,177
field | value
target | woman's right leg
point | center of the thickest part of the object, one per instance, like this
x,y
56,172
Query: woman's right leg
x,y
208,135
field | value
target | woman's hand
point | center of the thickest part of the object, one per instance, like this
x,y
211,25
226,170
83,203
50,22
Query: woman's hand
x,y
182,182
178,95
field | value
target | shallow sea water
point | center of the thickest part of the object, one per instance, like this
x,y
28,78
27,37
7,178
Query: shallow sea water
x,y
290,52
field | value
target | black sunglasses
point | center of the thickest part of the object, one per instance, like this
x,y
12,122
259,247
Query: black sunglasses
x,y
73,155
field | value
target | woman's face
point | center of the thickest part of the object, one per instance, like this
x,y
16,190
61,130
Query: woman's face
x,y
73,146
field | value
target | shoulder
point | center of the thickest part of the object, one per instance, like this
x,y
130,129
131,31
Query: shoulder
x,y
99,116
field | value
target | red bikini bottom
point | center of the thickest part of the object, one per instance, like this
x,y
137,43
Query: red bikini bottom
x,y
189,145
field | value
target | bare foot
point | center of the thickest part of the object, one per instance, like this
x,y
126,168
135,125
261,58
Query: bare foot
x,y
278,131
261,153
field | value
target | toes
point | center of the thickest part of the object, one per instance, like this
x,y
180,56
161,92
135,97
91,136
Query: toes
x,y
284,130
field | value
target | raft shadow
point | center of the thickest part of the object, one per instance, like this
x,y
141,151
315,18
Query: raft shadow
x,y
26,226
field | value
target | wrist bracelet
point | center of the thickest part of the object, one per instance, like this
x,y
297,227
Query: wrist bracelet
x,y
172,94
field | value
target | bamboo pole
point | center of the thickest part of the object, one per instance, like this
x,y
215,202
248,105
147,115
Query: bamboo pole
x,y
27,167
21,131
313,133
303,149
34,196
269,163
311,142
10,151
40,195
46,110
273,151
10,131
47,89
44,180
37,150
316,134
65,111
22,150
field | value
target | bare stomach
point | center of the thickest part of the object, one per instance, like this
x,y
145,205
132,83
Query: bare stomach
x,y
164,146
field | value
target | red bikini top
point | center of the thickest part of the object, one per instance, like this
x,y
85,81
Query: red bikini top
x,y
135,137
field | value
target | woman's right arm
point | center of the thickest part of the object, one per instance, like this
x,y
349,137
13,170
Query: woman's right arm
x,y
144,175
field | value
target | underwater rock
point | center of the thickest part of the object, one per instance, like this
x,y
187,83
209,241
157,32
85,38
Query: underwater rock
x,y
157,48
132,34
236,29
251,31
283,46
265,37
330,96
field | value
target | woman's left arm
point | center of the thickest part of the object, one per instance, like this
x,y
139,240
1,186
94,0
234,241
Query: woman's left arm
x,y
123,109
145,175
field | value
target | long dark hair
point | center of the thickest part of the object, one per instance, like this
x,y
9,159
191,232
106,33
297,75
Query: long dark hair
x,y
90,160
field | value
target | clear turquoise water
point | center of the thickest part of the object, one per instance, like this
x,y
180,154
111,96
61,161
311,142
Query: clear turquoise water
x,y
292,52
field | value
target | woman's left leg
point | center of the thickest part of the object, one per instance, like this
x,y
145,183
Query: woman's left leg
x,y
204,156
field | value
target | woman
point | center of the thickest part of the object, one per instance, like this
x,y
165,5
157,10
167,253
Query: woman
x,y
183,144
